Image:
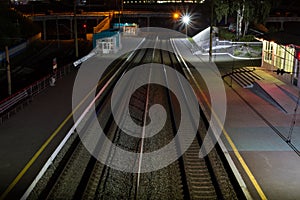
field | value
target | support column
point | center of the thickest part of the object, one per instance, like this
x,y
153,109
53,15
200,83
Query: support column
x,y
71,29
211,31
281,26
44,30
148,21
57,33
8,71
75,31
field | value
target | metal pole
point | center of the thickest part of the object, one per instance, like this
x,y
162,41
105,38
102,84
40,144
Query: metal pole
x,y
211,30
293,122
57,33
44,29
119,18
186,30
71,28
8,70
231,76
237,24
75,31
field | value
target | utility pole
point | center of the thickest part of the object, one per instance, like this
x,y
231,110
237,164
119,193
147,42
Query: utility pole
x,y
293,122
57,33
8,71
75,31
211,30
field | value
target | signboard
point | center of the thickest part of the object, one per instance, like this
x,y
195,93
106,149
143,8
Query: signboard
x,y
54,64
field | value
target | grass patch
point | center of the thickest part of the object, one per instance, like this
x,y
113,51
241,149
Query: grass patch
x,y
237,53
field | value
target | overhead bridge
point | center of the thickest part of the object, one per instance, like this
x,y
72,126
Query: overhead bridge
x,y
281,20
98,16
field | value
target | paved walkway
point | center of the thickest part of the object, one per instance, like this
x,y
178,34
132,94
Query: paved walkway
x,y
24,134
260,130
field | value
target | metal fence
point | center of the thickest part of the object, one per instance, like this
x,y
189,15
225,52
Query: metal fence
x,y
16,102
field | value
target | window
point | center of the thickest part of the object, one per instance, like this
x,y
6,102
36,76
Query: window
x,y
268,51
289,58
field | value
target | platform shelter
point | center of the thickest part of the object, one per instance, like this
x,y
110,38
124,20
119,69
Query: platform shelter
x,y
107,41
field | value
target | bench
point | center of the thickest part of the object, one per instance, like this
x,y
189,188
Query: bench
x,y
11,104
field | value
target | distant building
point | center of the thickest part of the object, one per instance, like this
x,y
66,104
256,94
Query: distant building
x,y
127,28
281,54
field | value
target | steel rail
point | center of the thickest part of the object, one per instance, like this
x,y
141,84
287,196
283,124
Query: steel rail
x,y
144,126
237,175
60,146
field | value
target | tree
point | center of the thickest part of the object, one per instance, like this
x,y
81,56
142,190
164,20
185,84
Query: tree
x,y
254,11
238,6
221,10
249,15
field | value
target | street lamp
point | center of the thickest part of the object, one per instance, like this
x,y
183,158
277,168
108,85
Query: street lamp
x,y
75,30
176,16
186,20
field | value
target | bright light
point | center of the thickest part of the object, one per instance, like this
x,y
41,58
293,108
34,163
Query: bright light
x,y
176,15
186,19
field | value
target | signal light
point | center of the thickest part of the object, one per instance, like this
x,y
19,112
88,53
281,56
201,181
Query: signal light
x,y
84,25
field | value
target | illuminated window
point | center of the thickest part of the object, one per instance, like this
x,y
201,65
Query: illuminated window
x,y
284,57
278,58
268,51
289,58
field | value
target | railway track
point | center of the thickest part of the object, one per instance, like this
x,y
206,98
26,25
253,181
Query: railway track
x,y
205,177
81,176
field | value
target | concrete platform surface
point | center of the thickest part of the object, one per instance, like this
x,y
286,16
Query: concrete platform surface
x,y
278,95
25,132
260,131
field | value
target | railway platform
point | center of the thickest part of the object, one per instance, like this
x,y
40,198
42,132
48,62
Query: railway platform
x,y
260,121
24,134
256,133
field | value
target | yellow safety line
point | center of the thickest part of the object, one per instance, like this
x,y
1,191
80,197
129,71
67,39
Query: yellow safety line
x,y
245,166
33,159
234,148
43,147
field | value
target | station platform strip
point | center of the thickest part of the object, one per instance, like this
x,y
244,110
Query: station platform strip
x,y
29,137
26,132
260,130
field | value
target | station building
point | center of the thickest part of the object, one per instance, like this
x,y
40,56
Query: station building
x,y
108,41
281,54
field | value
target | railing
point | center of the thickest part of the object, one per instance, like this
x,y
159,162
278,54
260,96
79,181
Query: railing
x,y
15,102
103,25
283,19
